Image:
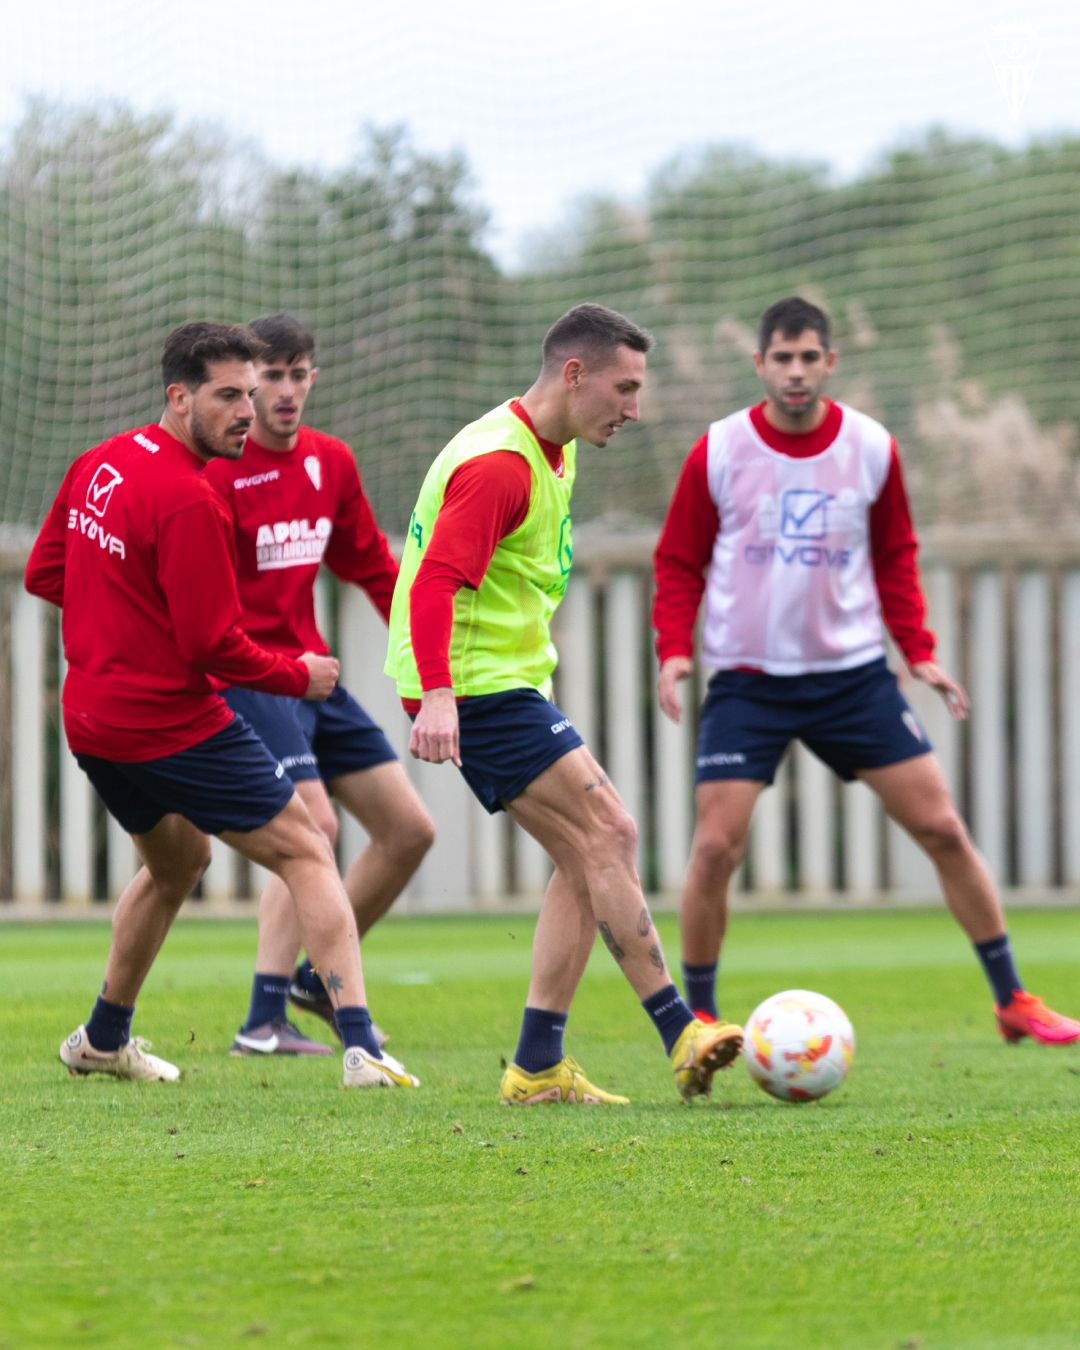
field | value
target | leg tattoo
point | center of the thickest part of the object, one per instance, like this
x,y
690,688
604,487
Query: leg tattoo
x,y
334,984
644,923
602,781
609,941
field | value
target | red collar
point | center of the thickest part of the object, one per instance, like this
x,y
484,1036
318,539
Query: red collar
x,y
552,453
799,444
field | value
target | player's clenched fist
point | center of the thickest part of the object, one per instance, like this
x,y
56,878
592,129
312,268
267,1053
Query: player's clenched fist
x,y
435,734
323,674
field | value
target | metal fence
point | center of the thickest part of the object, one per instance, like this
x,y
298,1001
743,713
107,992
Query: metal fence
x,y
1007,614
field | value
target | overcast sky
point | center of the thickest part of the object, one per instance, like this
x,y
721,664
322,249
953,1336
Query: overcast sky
x,y
549,101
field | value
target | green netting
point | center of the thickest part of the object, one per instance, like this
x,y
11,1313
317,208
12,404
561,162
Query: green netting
x,y
951,267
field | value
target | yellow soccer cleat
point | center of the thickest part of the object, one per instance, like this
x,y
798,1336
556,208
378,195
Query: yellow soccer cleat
x,y
700,1050
563,1082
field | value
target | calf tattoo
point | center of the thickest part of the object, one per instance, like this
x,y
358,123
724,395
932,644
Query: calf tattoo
x,y
602,781
609,941
644,923
656,956
334,985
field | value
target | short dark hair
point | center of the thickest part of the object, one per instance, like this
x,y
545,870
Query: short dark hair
x,y
190,349
285,338
789,318
592,331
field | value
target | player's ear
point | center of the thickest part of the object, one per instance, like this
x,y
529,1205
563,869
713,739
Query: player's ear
x,y
572,371
178,397
314,375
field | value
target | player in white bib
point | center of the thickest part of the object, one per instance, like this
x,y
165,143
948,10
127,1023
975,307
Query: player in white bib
x,y
792,521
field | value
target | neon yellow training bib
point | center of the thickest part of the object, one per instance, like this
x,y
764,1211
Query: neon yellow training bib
x,y
501,638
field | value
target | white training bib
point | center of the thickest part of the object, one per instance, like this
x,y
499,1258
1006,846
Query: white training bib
x,y
791,588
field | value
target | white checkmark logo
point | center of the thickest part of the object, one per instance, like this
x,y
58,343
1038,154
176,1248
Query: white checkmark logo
x,y
102,486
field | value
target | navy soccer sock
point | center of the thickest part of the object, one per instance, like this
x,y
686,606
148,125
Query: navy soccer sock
x,y
700,985
268,994
669,1014
109,1025
355,1026
540,1044
307,978
997,960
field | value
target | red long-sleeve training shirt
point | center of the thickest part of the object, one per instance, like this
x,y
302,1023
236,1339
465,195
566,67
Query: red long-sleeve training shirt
x,y
292,510
136,550
685,547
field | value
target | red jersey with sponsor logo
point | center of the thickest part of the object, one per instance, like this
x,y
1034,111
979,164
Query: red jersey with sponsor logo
x,y
137,552
292,510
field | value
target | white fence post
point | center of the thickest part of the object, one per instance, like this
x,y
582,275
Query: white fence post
x,y
862,841
1069,711
673,754
76,834
769,836
989,753
814,786
625,702
1034,711
28,747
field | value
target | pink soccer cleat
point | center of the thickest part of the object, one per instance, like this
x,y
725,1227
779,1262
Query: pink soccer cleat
x,y
1026,1015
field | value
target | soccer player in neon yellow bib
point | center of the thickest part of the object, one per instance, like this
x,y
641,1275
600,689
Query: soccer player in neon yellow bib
x,y
486,563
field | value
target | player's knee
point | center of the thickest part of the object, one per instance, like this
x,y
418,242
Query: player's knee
x,y
177,878
200,861
617,836
414,837
303,842
719,852
943,833
318,846
326,821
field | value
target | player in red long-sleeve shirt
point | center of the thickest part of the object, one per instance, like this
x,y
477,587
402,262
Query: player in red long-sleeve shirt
x,y
296,501
136,552
791,519
487,561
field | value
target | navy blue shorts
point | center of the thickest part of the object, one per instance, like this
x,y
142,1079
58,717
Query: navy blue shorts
x,y
851,719
508,740
230,781
311,739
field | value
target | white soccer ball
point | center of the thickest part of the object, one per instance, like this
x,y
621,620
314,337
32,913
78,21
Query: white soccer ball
x,y
798,1045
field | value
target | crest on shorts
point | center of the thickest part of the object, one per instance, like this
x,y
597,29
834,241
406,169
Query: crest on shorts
x,y
1014,50
314,471
911,722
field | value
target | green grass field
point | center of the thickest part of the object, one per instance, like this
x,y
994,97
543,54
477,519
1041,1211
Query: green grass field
x,y
933,1201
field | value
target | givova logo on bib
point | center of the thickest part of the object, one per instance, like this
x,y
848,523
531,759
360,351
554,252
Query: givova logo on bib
x,y
803,518
291,543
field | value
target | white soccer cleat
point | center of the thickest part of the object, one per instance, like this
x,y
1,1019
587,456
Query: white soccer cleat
x,y
131,1061
365,1070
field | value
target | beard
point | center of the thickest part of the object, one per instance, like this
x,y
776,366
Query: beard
x,y
221,449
